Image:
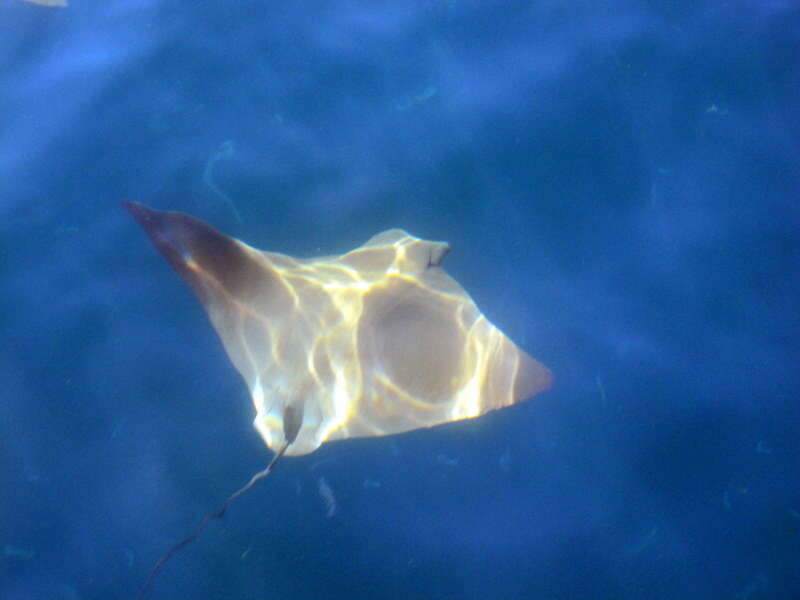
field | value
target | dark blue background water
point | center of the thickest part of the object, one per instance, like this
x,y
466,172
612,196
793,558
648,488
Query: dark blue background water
x,y
619,182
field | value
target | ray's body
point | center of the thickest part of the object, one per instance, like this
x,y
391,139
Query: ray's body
x,y
376,341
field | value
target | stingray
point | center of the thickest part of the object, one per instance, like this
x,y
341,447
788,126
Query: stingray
x,y
50,3
376,341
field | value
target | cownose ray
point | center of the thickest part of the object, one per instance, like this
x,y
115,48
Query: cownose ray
x,y
376,341
49,3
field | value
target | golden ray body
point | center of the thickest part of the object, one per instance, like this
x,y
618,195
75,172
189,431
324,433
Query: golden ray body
x,y
376,341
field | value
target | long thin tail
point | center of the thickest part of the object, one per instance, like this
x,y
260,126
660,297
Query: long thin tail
x,y
218,514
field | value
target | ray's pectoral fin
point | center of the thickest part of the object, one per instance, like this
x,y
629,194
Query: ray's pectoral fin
x,y
240,290
209,261
419,254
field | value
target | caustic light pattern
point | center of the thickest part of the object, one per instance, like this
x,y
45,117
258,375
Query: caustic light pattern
x,y
376,341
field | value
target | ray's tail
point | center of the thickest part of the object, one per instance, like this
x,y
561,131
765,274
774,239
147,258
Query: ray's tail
x,y
218,514
292,421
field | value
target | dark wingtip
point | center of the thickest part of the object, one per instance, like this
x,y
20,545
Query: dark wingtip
x,y
143,214
193,247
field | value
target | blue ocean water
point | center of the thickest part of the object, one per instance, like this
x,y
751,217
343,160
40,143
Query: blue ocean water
x,y
619,183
